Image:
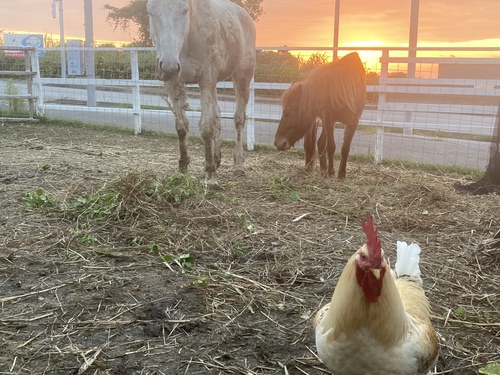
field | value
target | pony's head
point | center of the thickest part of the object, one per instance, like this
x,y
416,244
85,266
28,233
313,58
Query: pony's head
x,y
292,126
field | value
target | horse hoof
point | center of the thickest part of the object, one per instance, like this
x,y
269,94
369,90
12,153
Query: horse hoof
x,y
183,164
239,172
213,186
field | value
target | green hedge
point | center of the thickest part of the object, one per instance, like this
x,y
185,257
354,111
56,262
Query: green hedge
x,y
271,66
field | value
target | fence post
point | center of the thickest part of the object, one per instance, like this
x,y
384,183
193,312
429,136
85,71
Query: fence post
x,y
408,130
250,118
136,94
89,52
29,79
379,138
37,85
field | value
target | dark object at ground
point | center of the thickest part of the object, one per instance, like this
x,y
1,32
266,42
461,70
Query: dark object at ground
x,y
490,182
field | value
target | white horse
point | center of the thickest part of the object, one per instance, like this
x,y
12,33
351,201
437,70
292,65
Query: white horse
x,y
204,42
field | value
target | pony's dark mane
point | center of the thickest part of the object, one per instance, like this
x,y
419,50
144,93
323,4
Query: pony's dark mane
x,y
339,84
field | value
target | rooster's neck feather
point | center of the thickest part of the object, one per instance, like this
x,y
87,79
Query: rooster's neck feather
x,y
350,312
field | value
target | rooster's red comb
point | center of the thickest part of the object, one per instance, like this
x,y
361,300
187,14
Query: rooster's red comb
x,y
372,241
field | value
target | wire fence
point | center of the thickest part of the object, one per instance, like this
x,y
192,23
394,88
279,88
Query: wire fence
x,y
445,114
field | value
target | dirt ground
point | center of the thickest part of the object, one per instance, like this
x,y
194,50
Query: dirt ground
x,y
216,282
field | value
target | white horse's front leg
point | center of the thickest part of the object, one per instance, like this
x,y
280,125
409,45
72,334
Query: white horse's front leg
x,y
216,139
178,103
210,132
242,92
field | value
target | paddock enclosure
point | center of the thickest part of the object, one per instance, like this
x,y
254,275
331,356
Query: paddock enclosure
x,y
111,263
444,115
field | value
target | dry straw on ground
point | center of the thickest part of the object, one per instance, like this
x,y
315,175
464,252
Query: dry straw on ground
x,y
118,293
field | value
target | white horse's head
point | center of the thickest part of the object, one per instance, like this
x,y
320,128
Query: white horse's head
x,y
169,25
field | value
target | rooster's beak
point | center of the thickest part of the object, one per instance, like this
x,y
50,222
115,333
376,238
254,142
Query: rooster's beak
x,y
376,272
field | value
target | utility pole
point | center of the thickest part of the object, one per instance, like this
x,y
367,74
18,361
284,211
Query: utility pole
x,y
61,33
412,44
89,52
336,30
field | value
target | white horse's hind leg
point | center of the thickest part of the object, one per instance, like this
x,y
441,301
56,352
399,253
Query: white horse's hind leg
x,y
242,91
178,104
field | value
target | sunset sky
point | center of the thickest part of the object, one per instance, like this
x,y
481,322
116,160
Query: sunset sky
x,y
300,22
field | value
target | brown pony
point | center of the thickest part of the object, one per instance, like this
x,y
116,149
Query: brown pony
x,y
333,92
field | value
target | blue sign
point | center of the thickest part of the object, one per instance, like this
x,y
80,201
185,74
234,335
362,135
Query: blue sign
x,y
23,40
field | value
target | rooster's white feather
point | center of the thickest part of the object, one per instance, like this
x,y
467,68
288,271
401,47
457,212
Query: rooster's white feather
x,y
408,258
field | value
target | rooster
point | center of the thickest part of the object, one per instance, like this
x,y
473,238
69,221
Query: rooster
x,y
378,320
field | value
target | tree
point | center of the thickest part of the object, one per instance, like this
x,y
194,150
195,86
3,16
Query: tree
x,y
136,12
490,182
253,7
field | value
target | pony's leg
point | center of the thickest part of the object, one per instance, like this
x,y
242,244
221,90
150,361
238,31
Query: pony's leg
x,y
330,146
310,146
322,144
178,104
210,125
326,146
242,92
349,131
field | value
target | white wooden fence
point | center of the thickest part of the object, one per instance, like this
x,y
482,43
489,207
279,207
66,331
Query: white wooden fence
x,y
425,111
418,109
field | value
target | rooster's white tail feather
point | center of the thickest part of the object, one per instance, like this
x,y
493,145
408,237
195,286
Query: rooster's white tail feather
x,y
407,262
